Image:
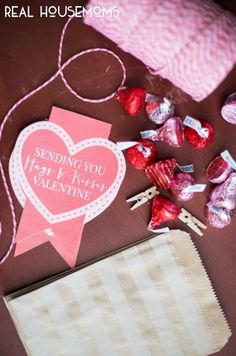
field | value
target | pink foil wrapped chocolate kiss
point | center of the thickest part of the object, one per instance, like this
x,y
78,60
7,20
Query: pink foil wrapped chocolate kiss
x,y
224,195
180,183
159,109
217,217
172,132
161,173
218,170
228,110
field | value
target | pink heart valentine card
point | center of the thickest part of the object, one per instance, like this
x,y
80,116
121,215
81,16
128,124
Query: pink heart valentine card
x,y
62,181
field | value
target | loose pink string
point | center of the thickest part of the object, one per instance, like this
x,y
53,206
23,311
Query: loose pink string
x,y
61,67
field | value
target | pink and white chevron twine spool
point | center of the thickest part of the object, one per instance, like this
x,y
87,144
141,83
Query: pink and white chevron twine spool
x,y
191,43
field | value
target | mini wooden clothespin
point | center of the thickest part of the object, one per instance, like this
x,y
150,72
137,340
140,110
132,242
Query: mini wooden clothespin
x,y
143,197
192,222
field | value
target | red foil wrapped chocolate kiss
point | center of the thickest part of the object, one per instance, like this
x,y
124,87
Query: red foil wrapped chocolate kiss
x,y
180,183
161,173
163,209
197,140
218,170
142,154
132,99
172,132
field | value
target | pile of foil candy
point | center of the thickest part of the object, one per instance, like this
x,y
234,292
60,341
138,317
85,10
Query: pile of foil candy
x,y
199,133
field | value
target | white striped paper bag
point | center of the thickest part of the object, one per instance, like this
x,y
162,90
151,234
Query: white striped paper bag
x,y
152,299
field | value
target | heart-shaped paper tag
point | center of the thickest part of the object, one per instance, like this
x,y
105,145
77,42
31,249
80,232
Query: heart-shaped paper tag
x,y
21,197
64,180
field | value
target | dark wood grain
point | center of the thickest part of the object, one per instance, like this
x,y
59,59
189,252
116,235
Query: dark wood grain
x,y
28,56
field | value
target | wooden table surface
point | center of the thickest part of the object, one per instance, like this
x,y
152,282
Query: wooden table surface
x,y
28,56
